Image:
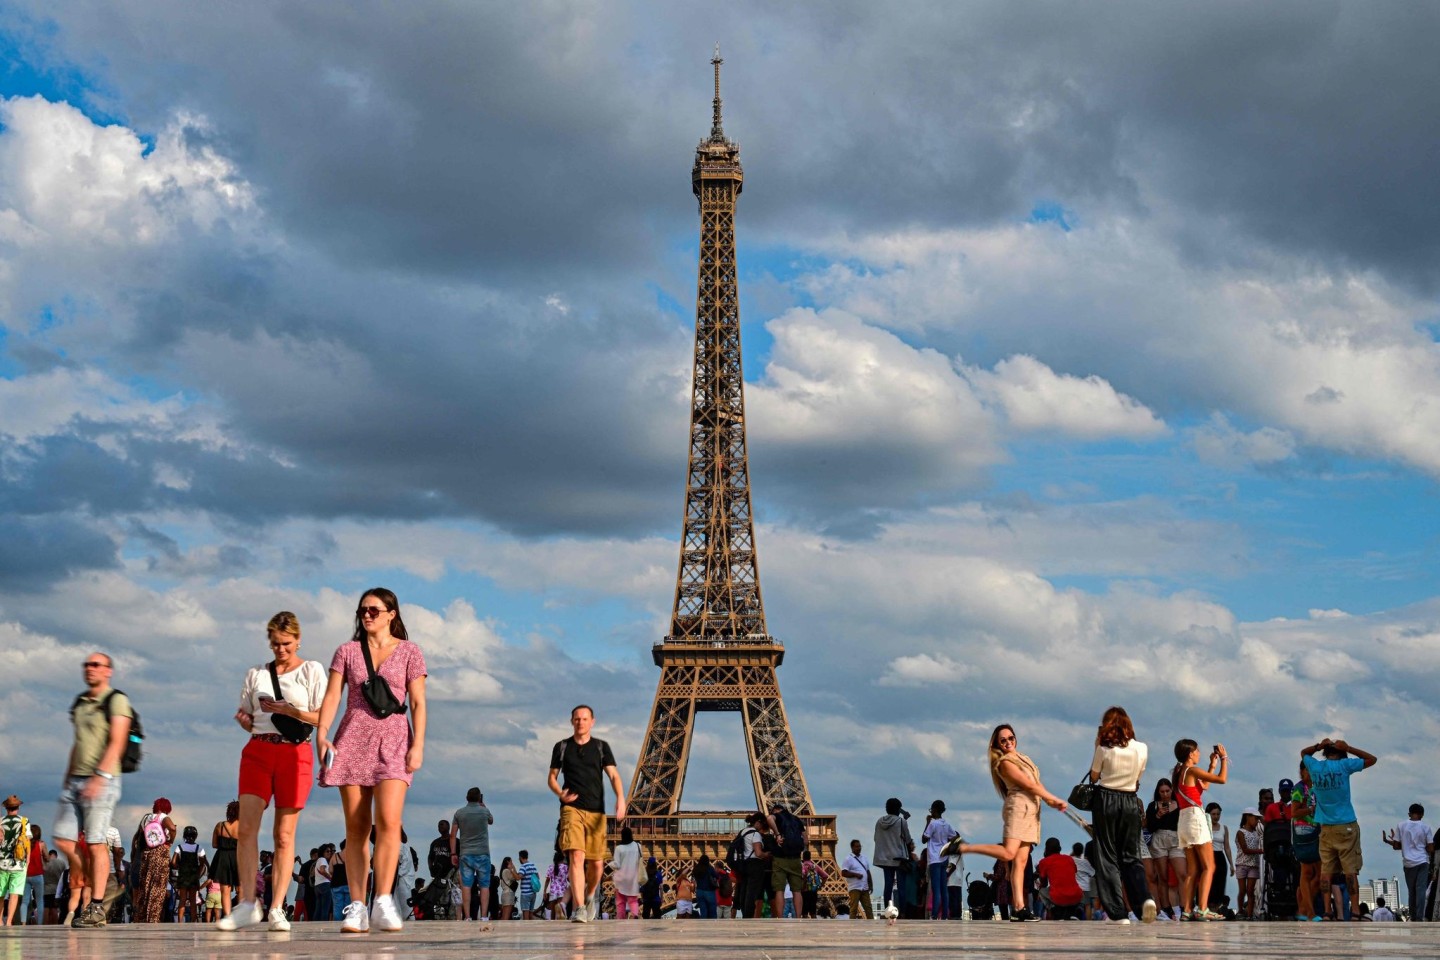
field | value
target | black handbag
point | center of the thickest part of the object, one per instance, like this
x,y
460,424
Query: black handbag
x,y
294,731
1082,795
376,691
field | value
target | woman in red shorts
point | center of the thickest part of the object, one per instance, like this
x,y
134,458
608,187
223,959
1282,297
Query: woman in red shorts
x,y
279,707
374,757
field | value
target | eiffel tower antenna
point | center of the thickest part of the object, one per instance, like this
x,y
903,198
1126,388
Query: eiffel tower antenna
x,y
719,655
717,129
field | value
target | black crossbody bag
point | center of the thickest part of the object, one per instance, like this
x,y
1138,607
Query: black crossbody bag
x,y
376,691
294,731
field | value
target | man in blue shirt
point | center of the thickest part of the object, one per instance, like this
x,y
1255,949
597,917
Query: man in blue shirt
x,y
1339,831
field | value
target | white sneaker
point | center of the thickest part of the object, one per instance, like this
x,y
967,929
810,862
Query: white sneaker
x,y
278,922
1147,912
384,915
1175,913
1123,920
592,906
247,913
356,919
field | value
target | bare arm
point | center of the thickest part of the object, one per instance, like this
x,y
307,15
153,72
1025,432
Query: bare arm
x,y
566,796
1021,780
1209,775
614,775
328,708
1369,758
415,756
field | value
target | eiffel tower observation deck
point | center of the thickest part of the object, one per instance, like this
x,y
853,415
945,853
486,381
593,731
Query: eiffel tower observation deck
x,y
719,655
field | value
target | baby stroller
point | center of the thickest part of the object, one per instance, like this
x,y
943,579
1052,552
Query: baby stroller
x,y
979,900
1282,871
435,899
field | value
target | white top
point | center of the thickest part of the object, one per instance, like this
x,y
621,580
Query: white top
x,y
1120,767
1218,836
856,863
957,875
303,688
1413,836
626,868
937,834
1382,915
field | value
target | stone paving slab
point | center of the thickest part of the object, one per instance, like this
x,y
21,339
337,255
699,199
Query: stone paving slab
x,y
721,940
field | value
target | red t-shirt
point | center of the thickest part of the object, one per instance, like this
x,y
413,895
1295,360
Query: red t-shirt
x,y
1058,870
1276,811
36,866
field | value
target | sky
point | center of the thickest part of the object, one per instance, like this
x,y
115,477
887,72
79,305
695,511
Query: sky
x,y
1091,358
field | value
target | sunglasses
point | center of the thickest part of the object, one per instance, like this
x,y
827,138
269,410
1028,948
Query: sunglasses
x,y
371,611
94,664
1006,740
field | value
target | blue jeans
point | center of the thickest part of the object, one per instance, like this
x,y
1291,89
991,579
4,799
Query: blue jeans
x,y
322,902
705,900
939,896
339,899
34,893
889,885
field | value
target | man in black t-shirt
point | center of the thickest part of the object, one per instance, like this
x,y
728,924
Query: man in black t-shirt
x,y
585,762
438,859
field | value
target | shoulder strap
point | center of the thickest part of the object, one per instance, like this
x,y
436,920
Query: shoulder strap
x,y
369,663
275,677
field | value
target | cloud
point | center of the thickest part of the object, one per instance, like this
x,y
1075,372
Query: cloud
x,y
1036,398
881,421
1220,444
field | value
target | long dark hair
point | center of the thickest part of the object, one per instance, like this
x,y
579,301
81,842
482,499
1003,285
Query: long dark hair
x,y
392,603
1162,782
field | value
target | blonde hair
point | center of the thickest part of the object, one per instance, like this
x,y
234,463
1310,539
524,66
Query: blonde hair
x,y
284,622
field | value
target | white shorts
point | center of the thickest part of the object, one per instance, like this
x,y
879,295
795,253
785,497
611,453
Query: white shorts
x,y
1165,843
1194,827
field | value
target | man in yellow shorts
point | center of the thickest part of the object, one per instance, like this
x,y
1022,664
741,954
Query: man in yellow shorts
x,y
585,762
1339,831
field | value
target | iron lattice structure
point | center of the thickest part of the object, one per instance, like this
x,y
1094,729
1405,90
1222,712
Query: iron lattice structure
x,y
719,655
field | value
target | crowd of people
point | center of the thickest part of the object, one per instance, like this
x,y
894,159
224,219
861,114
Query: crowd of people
x,y
1296,855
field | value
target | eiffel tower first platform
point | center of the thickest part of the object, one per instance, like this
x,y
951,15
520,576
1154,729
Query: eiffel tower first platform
x,y
719,655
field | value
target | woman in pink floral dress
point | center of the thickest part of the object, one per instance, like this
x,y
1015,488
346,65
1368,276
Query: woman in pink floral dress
x,y
372,759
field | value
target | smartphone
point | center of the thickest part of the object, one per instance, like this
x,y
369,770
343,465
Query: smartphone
x,y
329,759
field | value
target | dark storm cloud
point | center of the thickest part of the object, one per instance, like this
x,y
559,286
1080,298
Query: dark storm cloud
x,y
454,167
36,550
495,140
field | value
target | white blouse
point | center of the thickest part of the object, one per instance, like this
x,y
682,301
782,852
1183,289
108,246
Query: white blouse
x,y
1120,767
302,688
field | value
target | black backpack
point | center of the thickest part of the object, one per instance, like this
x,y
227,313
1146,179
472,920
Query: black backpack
x,y
791,840
133,754
738,847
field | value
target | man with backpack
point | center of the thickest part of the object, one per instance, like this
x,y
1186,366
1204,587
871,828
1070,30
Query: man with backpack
x,y
101,718
14,858
579,767
785,867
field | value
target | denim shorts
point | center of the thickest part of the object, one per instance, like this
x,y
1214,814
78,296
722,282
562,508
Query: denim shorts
x,y
475,867
76,813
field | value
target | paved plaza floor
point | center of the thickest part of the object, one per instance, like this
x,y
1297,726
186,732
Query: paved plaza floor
x,y
720,940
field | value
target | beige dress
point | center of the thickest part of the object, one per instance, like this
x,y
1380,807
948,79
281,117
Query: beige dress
x,y
1021,812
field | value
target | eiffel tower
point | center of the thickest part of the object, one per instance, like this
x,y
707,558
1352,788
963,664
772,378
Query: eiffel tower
x,y
719,655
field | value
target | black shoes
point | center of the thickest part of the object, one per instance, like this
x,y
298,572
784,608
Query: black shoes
x,y
1023,915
